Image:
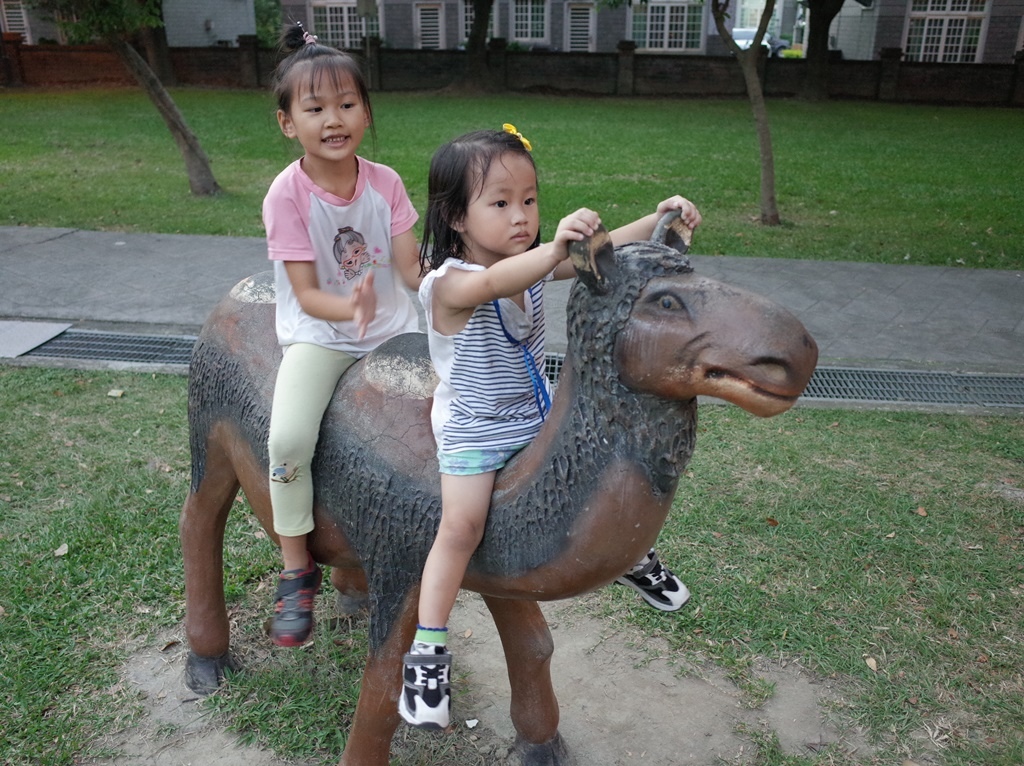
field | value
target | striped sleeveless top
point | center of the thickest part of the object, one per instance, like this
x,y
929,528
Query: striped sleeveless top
x,y
485,395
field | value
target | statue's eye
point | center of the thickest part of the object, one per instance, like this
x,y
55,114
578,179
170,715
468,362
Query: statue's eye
x,y
669,301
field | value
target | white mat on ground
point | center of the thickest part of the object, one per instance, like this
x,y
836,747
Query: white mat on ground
x,y
17,338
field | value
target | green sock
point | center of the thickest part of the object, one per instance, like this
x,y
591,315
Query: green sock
x,y
435,636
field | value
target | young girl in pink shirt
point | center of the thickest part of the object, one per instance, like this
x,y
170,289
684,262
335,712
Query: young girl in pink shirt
x,y
339,231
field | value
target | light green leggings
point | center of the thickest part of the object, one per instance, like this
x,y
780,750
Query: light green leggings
x,y
305,383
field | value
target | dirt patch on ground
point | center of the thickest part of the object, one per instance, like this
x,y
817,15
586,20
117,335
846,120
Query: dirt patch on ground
x,y
624,701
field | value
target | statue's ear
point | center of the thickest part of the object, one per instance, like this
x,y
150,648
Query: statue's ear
x,y
672,231
594,260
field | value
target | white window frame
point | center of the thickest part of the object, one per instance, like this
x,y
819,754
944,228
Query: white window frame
x,y
14,15
750,14
659,13
591,11
418,9
324,18
532,6
947,31
466,19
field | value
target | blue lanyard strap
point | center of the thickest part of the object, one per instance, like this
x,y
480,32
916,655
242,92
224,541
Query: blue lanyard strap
x,y
540,391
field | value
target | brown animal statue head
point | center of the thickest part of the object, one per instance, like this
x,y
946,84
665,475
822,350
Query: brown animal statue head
x,y
570,513
676,334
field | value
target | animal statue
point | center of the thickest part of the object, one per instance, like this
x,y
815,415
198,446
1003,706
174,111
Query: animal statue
x,y
570,512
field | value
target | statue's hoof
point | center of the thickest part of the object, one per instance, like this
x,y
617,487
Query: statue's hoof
x,y
349,604
554,752
204,675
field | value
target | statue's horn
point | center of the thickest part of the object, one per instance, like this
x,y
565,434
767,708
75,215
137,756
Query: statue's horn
x,y
593,258
672,231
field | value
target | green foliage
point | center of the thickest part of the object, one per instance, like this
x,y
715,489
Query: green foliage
x,y
86,20
268,22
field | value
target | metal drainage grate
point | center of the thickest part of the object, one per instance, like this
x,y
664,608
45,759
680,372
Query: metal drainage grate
x,y
850,384
915,387
828,384
553,367
116,347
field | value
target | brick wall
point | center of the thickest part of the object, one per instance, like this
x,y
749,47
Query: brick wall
x,y
417,70
687,76
592,73
975,84
51,65
624,73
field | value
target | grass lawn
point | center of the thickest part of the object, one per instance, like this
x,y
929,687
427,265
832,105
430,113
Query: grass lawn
x,y
833,537
882,550
855,181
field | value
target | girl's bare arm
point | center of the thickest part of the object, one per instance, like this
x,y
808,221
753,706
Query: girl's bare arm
x,y
361,306
642,228
462,291
405,256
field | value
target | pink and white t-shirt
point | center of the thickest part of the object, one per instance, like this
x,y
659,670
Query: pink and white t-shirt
x,y
346,239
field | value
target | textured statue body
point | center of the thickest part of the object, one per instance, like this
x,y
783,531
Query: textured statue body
x,y
570,513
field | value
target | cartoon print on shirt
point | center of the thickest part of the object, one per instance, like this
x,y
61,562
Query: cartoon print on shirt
x,y
350,252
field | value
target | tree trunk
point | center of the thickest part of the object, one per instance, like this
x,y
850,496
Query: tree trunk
x,y
200,177
749,60
476,76
748,63
158,55
477,42
819,20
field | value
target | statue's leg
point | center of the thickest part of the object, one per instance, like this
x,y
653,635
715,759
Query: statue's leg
x,y
350,585
201,531
528,647
376,718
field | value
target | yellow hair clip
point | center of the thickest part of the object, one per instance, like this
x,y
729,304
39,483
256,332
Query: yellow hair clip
x,y
508,128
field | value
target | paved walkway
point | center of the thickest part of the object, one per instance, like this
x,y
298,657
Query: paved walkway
x,y
861,314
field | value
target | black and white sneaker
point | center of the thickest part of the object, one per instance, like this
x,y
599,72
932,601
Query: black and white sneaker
x,y
658,586
426,694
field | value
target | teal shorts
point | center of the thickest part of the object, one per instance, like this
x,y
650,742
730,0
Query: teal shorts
x,y
474,461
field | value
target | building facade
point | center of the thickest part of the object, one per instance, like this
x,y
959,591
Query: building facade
x,y
953,31
552,25
200,23
942,31
956,31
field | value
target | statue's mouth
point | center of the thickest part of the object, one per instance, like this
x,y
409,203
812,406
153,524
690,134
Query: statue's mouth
x,y
752,395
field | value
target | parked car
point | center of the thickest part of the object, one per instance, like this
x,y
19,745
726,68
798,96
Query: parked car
x,y
744,38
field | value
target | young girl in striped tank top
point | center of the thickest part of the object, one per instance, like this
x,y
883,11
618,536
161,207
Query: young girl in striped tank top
x,y
483,299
